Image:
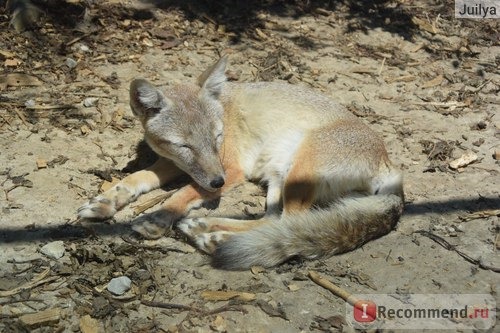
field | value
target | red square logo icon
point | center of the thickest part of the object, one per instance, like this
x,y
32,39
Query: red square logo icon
x,y
365,311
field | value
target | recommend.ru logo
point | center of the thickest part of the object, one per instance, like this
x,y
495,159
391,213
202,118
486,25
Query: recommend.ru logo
x,y
422,311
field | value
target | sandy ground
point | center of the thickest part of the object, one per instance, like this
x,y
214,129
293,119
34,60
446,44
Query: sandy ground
x,y
429,83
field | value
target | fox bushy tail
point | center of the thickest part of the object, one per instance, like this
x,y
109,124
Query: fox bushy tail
x,y
346,224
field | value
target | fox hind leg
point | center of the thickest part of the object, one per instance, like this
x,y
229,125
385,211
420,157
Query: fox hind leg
x,y
299,189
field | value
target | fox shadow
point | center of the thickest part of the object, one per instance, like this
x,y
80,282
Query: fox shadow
x,y
74,231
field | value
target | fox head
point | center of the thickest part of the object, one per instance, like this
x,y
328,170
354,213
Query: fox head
x,y
184,123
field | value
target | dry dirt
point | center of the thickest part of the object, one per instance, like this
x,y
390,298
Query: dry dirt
x,y
429,83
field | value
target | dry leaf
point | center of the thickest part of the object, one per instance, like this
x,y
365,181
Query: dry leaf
x,y
89,325
424,25
107,185
18,79
41,163
219,324
7,54
85,129
42,317
147,42
260,34
217,295
272,311
404,78
434,82
118,114
170,42
12,62
481,214
496,155
363,70
463,160
417,47
257,269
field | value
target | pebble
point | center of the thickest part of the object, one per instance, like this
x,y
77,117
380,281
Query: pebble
x,y
119,285
84,48
71,63
90,101
53,250
30,103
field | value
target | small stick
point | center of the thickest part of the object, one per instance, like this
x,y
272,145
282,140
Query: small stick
x,y
73,41
336,290
91,95
52,107
38,280
5,119
169,305
202,312
143,206
445,244
14,301
21,116
453,104
381,67
224,308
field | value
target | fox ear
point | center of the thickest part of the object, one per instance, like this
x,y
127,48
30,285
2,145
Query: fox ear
x,y
214,77
145,99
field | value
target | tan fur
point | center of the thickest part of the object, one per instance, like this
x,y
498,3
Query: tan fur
x,y
327,172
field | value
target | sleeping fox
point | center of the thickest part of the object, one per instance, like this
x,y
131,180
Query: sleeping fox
x,y
330,184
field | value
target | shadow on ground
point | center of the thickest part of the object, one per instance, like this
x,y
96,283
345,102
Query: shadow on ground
x,y
240,17
243,16
104,229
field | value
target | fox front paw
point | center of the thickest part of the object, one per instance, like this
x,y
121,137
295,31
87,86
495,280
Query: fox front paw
x,y
97,208
108,203
153,225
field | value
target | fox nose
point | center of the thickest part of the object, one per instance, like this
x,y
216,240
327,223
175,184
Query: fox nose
x,y
217,182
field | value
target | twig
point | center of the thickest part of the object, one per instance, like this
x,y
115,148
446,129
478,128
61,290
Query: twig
x,y
452,104
481,214
52,107
21,116
336,290
104,153
441,241
92,95
29,261
381,67
482,85
143,206
201,312
152,248
39,280
484,168
73,41
224,308
14,301
169,306
5,120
